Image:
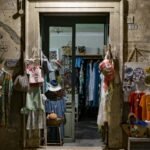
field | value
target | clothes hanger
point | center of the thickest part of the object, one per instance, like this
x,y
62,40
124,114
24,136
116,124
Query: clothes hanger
x,y
2,68
137,88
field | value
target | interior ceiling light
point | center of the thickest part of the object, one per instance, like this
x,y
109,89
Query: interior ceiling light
x,y
57,29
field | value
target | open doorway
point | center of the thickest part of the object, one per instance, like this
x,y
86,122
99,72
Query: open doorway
x,y
77,42
90,44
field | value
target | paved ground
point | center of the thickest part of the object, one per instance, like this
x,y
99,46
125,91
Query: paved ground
x,y
71,148
80,144
74,148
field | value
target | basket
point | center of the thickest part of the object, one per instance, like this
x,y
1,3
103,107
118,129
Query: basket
x,y
54,122
136,131
67,50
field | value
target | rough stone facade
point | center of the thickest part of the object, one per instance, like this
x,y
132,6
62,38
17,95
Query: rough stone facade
x,y
137,34
10,48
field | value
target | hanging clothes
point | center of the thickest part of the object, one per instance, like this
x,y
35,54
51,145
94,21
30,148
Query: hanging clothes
x,y
78,62
145,104
91,82
96,85
107,68
34,108
134,102
81,79
102,114
57,106
5,95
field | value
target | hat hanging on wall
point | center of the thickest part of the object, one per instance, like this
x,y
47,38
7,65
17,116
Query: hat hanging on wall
x,y
128,72
53,86
147,80
147,70
138,74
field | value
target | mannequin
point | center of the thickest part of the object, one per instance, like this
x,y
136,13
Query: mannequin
x,y
55,104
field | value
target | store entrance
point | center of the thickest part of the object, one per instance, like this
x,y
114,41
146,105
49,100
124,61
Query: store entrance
x,y
77,42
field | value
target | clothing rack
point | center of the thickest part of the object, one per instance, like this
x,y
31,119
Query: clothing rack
x,y
90,56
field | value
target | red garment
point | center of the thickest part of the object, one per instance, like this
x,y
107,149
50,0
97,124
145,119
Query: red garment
x,y
107,68
134,101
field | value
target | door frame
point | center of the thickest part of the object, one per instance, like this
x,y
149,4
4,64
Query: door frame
x,y
115,9
49,20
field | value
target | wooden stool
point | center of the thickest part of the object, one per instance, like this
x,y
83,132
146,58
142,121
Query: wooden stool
x,y
56,124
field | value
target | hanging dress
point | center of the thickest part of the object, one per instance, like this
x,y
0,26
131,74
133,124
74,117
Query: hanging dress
x,y
5,95
91,82
102,114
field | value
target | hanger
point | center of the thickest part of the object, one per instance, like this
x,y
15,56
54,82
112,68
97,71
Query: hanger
x,y
32,61
137,88
2,68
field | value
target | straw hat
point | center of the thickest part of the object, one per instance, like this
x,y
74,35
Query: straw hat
x,y
147,80
128,72
53,86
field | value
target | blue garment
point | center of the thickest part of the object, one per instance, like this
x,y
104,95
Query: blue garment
x,y
140,122
56,106
78,62
96,86
87,82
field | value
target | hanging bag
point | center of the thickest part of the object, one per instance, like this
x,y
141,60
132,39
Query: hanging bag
x,y
33,68
21,83
35,73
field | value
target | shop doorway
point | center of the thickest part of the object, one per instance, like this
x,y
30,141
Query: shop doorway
x,y
77,42
33,40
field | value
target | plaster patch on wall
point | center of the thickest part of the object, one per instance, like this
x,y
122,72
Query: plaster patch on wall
x,y
8,4
13,35
8,48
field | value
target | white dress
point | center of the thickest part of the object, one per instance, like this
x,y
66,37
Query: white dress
x,y
91,82
102,113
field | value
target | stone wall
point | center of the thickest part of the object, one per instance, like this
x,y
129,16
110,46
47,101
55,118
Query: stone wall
x,y
137,34
10,48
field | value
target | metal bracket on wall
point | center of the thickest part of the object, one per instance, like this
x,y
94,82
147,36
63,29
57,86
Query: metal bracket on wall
x,y
136,51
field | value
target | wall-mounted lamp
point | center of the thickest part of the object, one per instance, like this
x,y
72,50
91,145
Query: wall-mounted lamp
x,y
57,29
21,11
